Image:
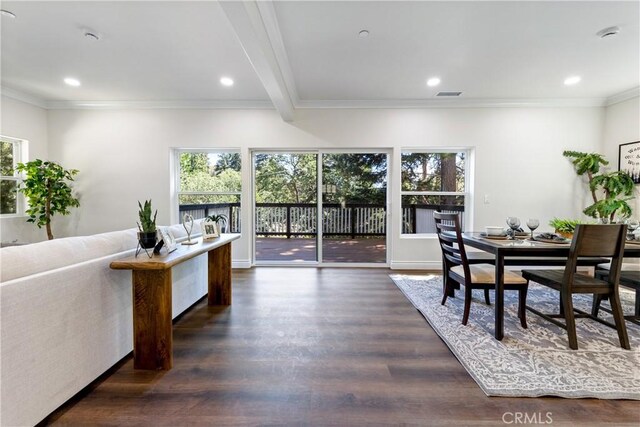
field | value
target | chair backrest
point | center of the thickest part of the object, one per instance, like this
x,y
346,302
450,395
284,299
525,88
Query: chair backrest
x,y
450,238
597,240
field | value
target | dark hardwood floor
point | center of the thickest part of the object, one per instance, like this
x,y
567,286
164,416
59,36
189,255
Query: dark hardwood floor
x,y
306,346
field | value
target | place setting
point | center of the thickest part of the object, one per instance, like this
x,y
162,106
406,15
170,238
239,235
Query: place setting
x,y
514,233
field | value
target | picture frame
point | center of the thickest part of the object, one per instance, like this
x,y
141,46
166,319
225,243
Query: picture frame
x,y
209,230
168,239
629,160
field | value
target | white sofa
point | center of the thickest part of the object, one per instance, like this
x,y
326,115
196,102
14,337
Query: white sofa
x,y
66,317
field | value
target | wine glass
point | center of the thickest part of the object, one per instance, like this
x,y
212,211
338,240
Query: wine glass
x,y
514,223
532,223
632,225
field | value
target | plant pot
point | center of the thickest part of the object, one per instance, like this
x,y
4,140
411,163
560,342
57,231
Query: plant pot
x,y
147,240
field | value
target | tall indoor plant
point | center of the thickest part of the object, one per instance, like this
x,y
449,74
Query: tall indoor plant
x,y
48,192
610,191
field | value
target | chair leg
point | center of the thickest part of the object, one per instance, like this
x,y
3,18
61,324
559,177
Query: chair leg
x,y
595,306
616,309
567,305
561,306
486,296
467,304
445,292
522,305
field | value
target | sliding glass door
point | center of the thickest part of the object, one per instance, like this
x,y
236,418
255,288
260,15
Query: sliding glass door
x,y
285,194
323,207
354,199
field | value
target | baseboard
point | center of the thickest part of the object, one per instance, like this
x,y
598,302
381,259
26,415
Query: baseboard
x,y
416,265
241,263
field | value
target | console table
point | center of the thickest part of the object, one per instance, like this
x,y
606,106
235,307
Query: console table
x,y
152,313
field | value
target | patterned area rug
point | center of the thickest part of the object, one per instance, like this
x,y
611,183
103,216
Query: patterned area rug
x,y
536,361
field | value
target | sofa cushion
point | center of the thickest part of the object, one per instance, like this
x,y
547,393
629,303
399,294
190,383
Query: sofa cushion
x,y
21,261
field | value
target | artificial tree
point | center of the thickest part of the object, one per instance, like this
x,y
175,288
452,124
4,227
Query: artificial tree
x,y
47,191
615,187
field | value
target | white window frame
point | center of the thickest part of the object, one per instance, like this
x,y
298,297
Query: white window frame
x,y
20,155
467,214
175,184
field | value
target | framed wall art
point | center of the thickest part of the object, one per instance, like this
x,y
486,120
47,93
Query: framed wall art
x,y
629,160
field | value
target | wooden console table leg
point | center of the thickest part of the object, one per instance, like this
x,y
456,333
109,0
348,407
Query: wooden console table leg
x,y
220,275
152,326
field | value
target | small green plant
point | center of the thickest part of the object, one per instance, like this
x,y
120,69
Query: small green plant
x,y
617,186
218,218
565,225
146,224
47,190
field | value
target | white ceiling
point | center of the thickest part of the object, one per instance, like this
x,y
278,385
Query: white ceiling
x,y
308,53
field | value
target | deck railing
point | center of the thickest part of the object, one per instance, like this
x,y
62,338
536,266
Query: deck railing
x,y
300,219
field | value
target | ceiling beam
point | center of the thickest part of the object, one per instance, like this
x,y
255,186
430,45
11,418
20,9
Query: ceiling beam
x,y
249,26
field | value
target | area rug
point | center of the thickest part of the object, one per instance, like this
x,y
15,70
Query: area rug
x,y
536,361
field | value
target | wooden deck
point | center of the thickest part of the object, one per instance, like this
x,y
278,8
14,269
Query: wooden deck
x,y
360,250
313,347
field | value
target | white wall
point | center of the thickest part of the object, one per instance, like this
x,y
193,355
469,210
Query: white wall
x,y
123,157
622,125
28,122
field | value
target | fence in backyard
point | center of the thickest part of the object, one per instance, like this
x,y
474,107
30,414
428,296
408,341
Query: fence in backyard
x,y
300,219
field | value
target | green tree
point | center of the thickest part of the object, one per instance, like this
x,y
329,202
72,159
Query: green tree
x,y
358,177
7,187
207,173
286,178
48,191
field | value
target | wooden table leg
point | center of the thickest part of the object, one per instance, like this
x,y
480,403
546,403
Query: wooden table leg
x,y
499,304
220,275
152,325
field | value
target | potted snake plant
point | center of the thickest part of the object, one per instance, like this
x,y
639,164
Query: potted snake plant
x,y
147,225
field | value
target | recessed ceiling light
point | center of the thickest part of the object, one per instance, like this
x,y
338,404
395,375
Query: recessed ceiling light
x,y
363,34
433,81
72,82
7,13
226,81
608,32
569,81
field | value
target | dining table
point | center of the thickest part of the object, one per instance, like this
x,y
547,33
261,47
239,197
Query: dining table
x,y
528,250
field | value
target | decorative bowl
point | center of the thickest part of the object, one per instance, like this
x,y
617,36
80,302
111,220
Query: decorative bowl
x,y
493,230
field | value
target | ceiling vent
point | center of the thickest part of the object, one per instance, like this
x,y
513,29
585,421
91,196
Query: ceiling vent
x,y
449,94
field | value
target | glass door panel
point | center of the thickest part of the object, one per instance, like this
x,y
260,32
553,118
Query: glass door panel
x,y
354,197
286,207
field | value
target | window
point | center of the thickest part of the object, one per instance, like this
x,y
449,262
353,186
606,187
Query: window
x,y
209,182
10,156
431,181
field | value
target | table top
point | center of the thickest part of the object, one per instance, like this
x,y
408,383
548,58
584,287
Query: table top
x,y
526,247
166,260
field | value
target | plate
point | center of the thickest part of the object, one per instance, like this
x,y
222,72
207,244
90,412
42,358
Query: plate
x,y
484,235
557,242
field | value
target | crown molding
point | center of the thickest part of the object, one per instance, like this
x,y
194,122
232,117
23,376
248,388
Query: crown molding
x,y
623,96
24,97
452,103
148,105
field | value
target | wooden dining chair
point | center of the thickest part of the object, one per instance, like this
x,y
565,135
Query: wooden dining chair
x,y
629,278
588,240
471,276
